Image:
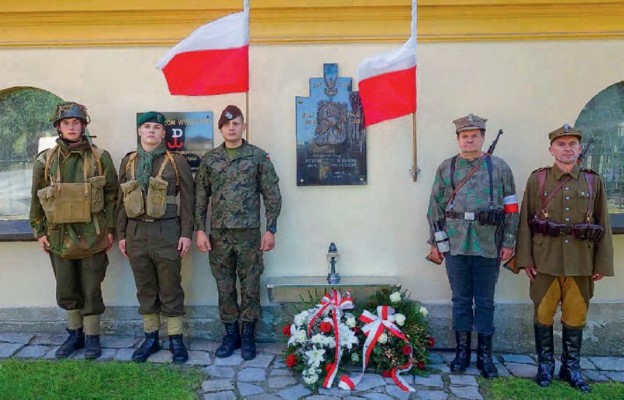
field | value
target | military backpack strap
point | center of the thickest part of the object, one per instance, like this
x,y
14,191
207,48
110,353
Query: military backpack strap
x,y
130,165
590,179
541,178
175,167
48,163
98,161
453,168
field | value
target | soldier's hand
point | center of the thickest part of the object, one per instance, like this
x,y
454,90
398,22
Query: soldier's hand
x,y
44,244
203,242
506,253
110,241
531,272
597,277
184,244
122,247
268,241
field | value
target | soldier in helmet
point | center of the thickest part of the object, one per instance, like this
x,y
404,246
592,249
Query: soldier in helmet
x,y
473,217
233,177
564,246
155,233
74,192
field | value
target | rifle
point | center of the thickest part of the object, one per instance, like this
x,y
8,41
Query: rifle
x,y
581,156
495,142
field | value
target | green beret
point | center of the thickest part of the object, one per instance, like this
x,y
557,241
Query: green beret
x,y
151,116
565,130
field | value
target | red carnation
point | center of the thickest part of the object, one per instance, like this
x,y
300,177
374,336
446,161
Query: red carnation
x,y
431,341
386,374
406,350
291,360
325,327
286,330
356,329
421,365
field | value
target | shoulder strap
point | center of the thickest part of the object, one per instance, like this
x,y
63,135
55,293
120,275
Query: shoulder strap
x,y
453,168
48,163
467,177
488,163
590,179
98,162
174,165
541,177
130,165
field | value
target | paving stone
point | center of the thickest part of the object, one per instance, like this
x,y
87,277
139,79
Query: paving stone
x,y
21,338
279,382
33,351
587,364
436,358
439,368
377,396
124,355
273,348
119,342
216,371
608,363
294,392
247,389
261,361
320,397
50,355
199,358
333,392
522,370
472,369
279,363
252,375
52,340
77,355
264,396
431,395
466,392
448,356
160,357
616,376
203,345
368,382
217,385
396,392
518,359
232,361
107,355
595,376
463,380
503,372
281,372
429,381
220,396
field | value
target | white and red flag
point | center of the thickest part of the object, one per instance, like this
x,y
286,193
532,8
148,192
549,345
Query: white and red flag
x,y
214,59
387,81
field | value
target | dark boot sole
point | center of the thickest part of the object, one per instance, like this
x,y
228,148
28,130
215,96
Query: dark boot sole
x,y
144,358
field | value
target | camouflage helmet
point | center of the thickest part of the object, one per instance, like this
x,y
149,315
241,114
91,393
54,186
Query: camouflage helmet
x,y
70,109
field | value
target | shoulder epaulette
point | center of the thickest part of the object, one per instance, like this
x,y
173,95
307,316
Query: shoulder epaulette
x,y
591,171
539,169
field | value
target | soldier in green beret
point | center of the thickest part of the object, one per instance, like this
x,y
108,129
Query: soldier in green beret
x,y
74,192
155,232
473,218
233,177
564,246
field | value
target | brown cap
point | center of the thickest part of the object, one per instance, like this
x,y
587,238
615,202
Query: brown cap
x,y
469,122
229,113
565,130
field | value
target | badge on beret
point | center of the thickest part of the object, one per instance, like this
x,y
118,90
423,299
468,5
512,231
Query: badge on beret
x,y
228,115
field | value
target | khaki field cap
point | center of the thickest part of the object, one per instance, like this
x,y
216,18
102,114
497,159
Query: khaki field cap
x,y
70,109
565,130
229,113
469,122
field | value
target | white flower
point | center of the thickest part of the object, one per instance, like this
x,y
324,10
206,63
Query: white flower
x,y
395,297
310,376
299,337
315,357
318,339
300,318
423,311
399,319
355,357
347,337
350,321
383,338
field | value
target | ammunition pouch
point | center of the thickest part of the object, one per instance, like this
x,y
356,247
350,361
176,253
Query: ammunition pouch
x,y
491,217
156,200
592,232
97,193
132,198
66,203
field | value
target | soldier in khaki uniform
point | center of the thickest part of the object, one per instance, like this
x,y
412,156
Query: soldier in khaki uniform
x,y
74,192
233,177
564,246
155,233
478,214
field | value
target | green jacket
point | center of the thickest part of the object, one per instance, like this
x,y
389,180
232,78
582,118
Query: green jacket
x,y
71,164
234,188
564,255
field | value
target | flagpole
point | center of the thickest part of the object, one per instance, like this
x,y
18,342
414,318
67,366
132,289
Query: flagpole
x,y
414,32
247,115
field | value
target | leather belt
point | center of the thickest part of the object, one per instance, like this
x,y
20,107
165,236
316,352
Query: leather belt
x,y
468,216
151,220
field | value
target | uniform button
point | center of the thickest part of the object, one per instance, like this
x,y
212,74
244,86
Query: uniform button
x,y
567,197
567,189
567,219
567,208
565,241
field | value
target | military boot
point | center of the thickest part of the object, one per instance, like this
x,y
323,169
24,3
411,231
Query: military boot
x,y
248,348
178,349
150,345
231,340
484,357
462,352
545,350
75,341
93,348
571,359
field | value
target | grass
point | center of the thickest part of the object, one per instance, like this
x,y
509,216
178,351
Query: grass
x,y
524,389
84,380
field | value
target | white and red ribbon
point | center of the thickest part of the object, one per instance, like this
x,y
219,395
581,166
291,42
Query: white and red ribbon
x,y
373,328
333,302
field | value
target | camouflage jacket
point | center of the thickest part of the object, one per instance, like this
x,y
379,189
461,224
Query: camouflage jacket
x,y
181,185
564,255
71,164
235,187
468,237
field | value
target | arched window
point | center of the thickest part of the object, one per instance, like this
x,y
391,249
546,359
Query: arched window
x,y
602,119
25,128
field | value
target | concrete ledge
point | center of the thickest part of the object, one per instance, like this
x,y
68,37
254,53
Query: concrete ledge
x,y
604,334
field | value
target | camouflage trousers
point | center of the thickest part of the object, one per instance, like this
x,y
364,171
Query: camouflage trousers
x,y
152,249
237,252
79,283
572,292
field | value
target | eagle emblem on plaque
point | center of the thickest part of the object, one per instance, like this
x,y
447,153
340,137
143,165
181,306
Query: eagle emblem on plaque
x,y
331,139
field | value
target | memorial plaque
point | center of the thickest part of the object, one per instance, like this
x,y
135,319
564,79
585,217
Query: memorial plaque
x,y
190,134
331,139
